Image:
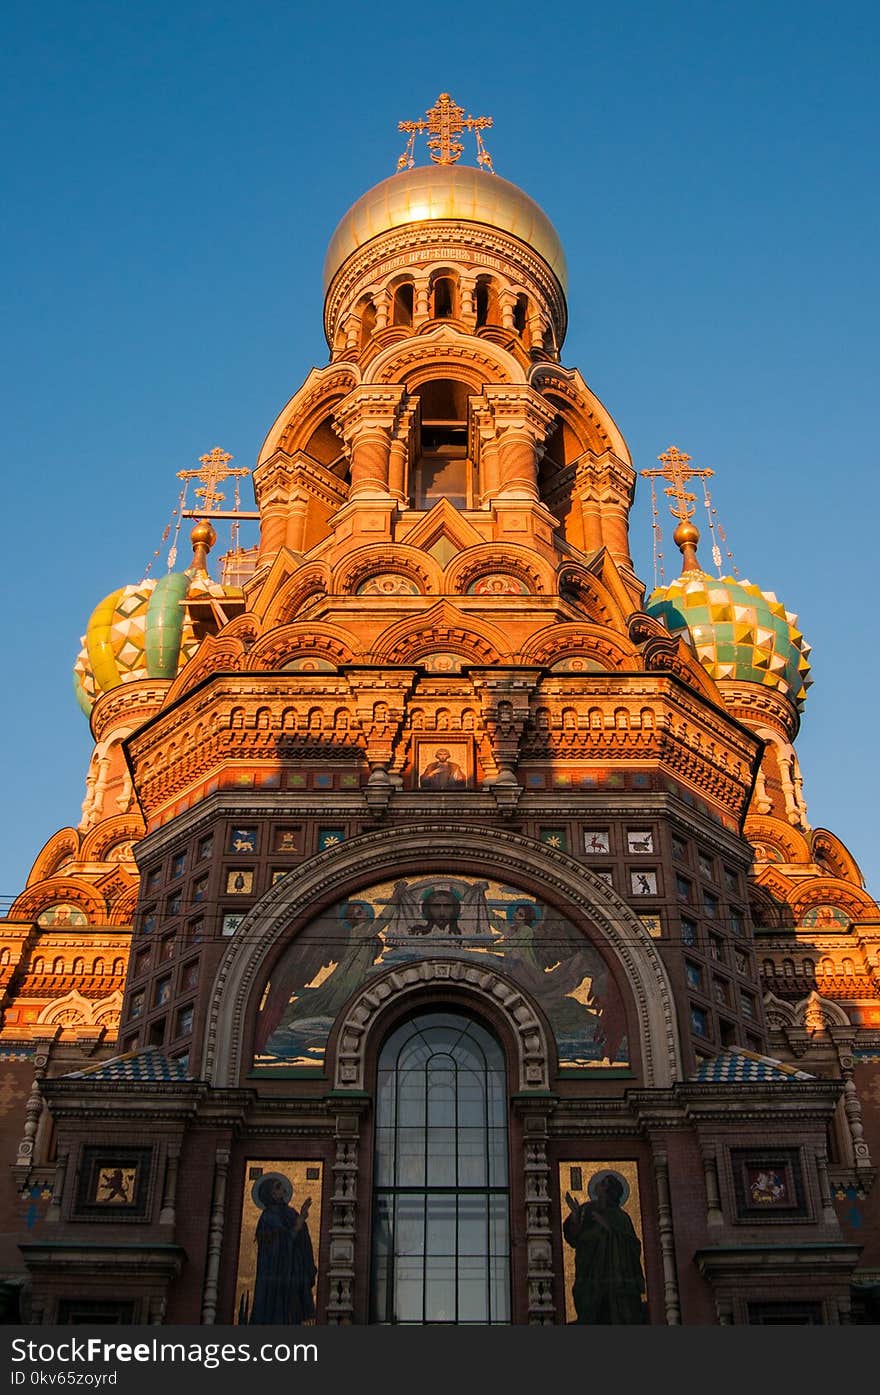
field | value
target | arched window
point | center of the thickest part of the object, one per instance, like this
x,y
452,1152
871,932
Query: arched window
x,y
441,1238
443,298
441,469
402,311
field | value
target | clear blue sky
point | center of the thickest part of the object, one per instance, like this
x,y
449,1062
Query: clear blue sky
x,y
174,171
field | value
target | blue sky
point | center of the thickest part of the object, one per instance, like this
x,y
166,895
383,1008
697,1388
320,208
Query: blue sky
x,y
174,172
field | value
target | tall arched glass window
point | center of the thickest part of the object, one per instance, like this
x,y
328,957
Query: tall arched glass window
x,y
441,1235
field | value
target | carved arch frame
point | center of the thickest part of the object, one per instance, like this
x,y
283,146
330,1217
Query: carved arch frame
x,y
472,850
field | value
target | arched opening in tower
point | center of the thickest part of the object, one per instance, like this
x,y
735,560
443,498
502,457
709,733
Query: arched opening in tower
x,y
441,469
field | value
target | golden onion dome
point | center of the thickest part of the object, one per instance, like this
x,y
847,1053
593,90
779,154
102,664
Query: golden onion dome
x,y
457,193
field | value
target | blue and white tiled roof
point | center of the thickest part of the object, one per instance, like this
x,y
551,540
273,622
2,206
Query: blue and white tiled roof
x,y
736,1066
148,1066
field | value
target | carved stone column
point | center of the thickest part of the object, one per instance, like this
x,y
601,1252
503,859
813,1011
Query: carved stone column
x,y
382,303
215,1236
505,697
671,1299
54,1211
517,464
829,1215
400,454
33,1109
367,420
343,1217
714,1214
521,419
591,512
852,1106
167,1215
421,301
467,309
539,1243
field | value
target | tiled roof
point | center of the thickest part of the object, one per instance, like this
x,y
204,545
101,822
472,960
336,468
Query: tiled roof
x,y
736,1066
148,1066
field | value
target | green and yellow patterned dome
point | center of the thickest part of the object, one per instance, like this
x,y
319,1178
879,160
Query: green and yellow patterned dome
x,y
139,631
144,630
737,630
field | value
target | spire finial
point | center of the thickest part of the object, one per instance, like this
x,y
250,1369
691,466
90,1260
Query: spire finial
x,y
676,468
443,122
203,538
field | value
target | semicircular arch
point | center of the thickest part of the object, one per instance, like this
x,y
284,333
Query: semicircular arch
x,y
338,872
331,642
443,353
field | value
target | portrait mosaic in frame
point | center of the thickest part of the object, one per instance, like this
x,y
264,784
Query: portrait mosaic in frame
x,y
602,1256
767,1183
279,1243
113,1183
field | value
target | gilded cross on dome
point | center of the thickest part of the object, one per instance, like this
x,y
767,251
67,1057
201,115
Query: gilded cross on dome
x,y
215,469
443,122
677,469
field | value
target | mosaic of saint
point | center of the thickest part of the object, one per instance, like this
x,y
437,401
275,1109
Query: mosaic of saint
x,y
438,917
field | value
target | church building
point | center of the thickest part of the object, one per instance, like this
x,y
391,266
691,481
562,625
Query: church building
x,y
443,939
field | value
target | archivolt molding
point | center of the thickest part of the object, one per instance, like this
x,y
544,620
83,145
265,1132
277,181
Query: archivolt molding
x,y
63,846
471,850
759,828
832,892
308,407
827,849
556,642
442,629
410,562
778,1013
329,641
593,595
565,388
307,582
487,558
60,890
123,909
101,839
73,1011
445,354
217,654
816,1012
482,984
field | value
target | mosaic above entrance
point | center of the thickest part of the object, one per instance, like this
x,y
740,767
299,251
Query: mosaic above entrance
x,y
438,917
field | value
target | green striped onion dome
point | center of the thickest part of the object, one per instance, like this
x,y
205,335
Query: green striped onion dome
x,y
737,631
139,631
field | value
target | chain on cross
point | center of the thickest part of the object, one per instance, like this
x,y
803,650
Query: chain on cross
x,y
443,122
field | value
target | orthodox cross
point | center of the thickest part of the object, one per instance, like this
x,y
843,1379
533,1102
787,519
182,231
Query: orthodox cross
x,y
443,122
215,469
677,469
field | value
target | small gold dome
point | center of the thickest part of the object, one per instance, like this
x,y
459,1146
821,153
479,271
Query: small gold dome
x,y
451,192
686,533
203,533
